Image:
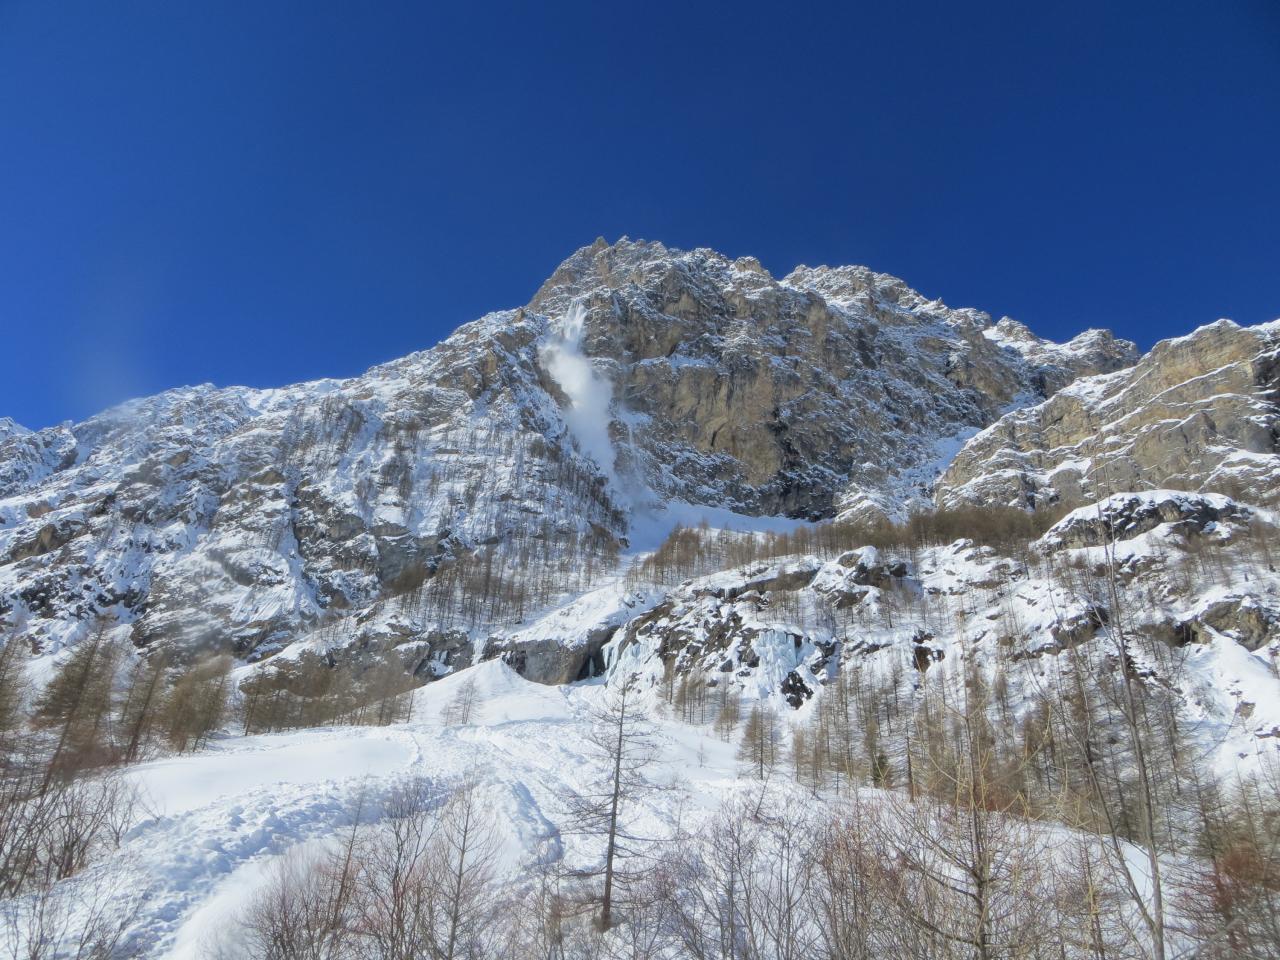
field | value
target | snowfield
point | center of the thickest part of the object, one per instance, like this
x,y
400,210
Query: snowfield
x,y
221,816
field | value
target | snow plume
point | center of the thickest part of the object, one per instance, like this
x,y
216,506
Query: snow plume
x,y
590,395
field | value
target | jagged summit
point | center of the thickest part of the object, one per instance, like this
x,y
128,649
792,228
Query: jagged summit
x,y
10,428
826,392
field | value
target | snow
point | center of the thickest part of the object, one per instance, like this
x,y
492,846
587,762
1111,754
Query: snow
x,y
11,428
653,523
571,624
590,394
220,818
1143,499
267,511
225,815
220,911
180,785
228,483
202,862
231,811
1244,683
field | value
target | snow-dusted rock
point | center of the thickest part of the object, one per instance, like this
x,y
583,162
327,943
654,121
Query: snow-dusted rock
x,y
1203,623
831,390
241,519
1197,413
1124,516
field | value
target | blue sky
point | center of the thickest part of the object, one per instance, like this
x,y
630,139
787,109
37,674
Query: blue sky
x,y
261,192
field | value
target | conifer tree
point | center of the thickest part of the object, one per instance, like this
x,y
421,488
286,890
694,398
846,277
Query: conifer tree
x,y
196,703
141,703
13,688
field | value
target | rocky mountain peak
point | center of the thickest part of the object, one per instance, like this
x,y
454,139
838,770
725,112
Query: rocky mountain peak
x,y
530,439
806,396
845,285
10,428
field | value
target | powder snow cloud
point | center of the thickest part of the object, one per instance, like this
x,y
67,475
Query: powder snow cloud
x,y
590,394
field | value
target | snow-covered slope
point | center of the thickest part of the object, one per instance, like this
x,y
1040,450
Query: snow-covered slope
x,y
218,820
1195,594
201,855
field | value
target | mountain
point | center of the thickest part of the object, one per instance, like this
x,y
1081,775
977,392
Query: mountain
x,y
8,428
684,550
525,450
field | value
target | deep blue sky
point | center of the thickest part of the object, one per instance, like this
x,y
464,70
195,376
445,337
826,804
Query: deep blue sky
x,y
264,192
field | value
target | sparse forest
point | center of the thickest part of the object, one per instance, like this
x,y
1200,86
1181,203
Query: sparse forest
x,y
985,805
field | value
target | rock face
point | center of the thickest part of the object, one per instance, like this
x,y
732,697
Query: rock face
x,y
373,511
829,391
9,428
1197,413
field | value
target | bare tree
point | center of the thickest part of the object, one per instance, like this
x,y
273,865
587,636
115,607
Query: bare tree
x,y
394,897
782,925
463,705
711,889
459,872
304,912
84,919
968,879
761,741
742,885
966,865
848,885
51,829
623,741
538,916
1230,898
727,710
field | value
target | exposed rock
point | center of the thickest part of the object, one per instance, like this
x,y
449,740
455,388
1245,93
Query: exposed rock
x,y
1128,515
549,660
794,690
11,428
789,576
48,538
855,576
824,392
1077,627
1197,413
1251,621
